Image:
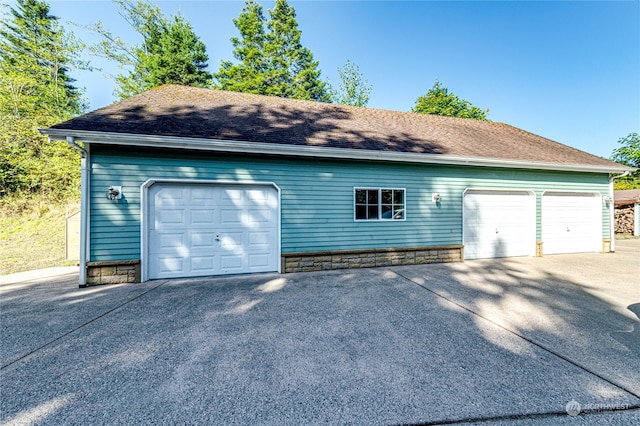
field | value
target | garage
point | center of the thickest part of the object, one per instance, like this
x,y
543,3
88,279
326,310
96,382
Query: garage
x,y
571,222
201,229
498,223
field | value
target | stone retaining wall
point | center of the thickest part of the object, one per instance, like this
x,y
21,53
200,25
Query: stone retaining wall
x,y
328,260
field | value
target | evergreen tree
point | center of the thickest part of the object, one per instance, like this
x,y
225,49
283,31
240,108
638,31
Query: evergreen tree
x,y
249,74
178,57
439,101
272,58
36,90
354,89
35,57
170,52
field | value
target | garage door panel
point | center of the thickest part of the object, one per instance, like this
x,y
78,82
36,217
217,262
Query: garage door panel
x,y
258,260
212,230
259,239
170,240
202,217
203,240
170,217
167,266
231,263
230,217
203,263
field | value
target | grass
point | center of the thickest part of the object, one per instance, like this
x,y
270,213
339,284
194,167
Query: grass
x,y
32,235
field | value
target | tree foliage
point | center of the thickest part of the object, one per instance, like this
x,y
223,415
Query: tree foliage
x,y
170,53
271,58
36,90
249,74
628,154
439,101
354,89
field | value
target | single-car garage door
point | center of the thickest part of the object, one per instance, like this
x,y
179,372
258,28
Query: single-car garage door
x,y
499,223
571,222
211,229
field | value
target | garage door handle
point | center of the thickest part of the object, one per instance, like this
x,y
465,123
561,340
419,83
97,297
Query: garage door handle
x,y
218,237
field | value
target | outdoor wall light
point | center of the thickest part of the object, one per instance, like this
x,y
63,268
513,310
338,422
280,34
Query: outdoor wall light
x,y
114,192
435,197
607,200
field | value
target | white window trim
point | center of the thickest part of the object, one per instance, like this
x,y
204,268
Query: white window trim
x,y
380,189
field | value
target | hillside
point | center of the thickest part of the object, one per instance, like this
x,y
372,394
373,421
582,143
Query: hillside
x,y
33,236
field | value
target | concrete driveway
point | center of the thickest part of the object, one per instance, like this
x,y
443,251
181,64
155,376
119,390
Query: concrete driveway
x,y
507,341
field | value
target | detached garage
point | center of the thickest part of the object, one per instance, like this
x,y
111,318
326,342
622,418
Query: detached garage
x,y
186,182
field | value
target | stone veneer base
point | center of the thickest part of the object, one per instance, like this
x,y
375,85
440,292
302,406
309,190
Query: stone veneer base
x,y
113,272
368,258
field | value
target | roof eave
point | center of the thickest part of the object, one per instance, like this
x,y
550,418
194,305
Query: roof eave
x,y
152,141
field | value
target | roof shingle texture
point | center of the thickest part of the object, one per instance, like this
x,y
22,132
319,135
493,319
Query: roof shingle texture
x,y
180,111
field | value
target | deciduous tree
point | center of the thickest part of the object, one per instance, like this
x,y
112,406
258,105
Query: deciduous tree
x,y
354,89
439,101
628,154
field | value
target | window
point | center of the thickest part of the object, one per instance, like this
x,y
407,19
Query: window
x,y
379,204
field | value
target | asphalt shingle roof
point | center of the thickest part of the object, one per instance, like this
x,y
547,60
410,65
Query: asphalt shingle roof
x,y
181,111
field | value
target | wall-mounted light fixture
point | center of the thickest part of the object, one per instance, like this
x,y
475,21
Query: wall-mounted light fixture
x,y
607,200
435,197
114,192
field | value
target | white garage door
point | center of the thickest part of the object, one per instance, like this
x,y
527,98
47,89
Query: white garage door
x,y
499,224
571,222
211,229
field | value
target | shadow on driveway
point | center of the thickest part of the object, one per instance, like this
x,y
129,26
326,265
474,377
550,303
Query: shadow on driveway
x,y
498,340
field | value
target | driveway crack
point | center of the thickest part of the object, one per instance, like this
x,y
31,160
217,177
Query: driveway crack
x,y
86,323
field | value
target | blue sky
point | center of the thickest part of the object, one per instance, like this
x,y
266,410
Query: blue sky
x,y
569,71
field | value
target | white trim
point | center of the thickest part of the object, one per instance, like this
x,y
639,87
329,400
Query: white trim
x,y
561,192
380,189
144,211
612,218
151,141
636,219
481,189
85,211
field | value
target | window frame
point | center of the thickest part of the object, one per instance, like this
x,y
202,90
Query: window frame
x,y
380,203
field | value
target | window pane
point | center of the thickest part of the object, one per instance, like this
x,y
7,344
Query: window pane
x,y
387,196
372,196
398,197
387,211
398,214
361,196
372,212
361,212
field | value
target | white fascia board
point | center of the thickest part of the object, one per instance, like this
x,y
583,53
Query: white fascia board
x,y
219,145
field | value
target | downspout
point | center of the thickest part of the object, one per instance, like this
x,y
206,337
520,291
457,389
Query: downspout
x,y
84,209
612,225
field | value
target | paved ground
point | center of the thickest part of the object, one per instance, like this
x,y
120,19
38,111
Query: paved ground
x,y
511,341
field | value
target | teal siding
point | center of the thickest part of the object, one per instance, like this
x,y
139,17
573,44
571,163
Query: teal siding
x,y
316,197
